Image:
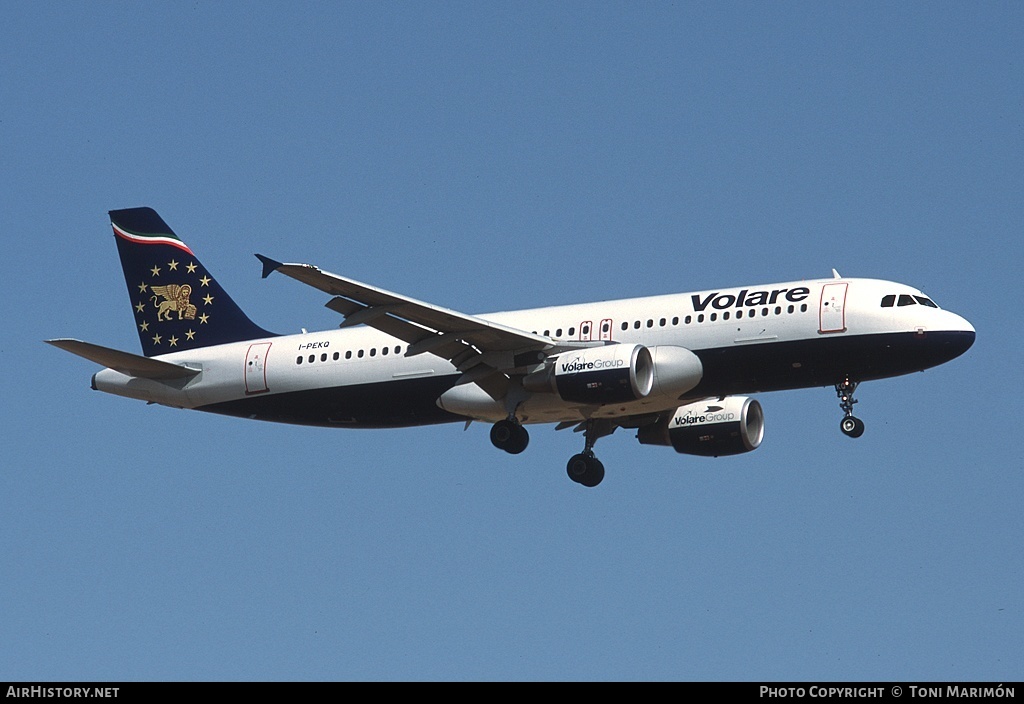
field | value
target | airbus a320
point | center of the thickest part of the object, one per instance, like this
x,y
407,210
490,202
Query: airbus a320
x,y
677,369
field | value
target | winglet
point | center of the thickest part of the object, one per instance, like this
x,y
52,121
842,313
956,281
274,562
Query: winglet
x,y
269,265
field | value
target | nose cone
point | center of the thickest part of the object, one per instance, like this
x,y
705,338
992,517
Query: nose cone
x,y
957,336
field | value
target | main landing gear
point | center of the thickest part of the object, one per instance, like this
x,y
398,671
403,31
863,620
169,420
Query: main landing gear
x,y
850,424
509,435
585,468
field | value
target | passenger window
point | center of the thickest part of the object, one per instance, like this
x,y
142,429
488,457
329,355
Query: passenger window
x,y
725,315
360,354
323,357
689,319
336,356
298,360
662,322
572,331
675,320
700,318
906,300
636,324
888,301
348,354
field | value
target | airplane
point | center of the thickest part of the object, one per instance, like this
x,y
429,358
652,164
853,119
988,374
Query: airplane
x,y
678,369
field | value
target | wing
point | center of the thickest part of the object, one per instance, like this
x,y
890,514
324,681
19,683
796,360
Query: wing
x,y
484,351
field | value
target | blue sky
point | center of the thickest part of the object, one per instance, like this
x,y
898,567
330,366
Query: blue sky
x,y
488,156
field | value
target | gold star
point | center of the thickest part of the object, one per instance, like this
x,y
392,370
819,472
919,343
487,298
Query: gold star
x,y
173,341
156,339
142,287
155,271
203,319
172,265
140,307
144,326
205,281
207,299
191,268
190,335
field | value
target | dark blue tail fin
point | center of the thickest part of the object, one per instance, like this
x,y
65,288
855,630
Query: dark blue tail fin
x,y
177,304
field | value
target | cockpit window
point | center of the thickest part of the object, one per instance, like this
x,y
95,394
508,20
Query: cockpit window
x,y
906,300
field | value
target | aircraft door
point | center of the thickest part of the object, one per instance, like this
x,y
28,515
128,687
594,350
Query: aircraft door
x,y
586,331
606,329
831,312
256,368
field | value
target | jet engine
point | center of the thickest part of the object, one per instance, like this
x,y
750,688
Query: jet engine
x,y
597,375
713,427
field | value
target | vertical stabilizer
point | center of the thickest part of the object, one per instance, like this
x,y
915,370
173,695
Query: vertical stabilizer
x,y
177,304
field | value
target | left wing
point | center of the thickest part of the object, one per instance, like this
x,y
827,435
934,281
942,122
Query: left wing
x,y
484,351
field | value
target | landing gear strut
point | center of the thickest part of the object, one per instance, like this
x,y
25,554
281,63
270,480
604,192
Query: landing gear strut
x,y
850,424
509,435
585,468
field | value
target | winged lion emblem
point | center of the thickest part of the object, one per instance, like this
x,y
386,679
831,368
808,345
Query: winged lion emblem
x,y
175,299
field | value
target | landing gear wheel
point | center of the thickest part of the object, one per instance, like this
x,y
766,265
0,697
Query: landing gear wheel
x,y
509,436
852,426
585,469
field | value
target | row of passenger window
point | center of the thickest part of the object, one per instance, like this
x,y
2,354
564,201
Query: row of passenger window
x,y
689,319
358,354
712,317
906,300
637,324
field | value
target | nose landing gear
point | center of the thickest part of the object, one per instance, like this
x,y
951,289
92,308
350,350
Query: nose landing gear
x,y
850,424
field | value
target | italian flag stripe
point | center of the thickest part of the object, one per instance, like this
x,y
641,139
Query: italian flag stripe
x,y
151,239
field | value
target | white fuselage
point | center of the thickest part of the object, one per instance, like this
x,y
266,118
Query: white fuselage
x,y
749,339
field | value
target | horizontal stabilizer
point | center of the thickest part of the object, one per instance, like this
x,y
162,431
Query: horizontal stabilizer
x,y
125,362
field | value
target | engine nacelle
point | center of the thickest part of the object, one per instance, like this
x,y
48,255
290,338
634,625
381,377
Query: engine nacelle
x,y
676,370
715,427
597,375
